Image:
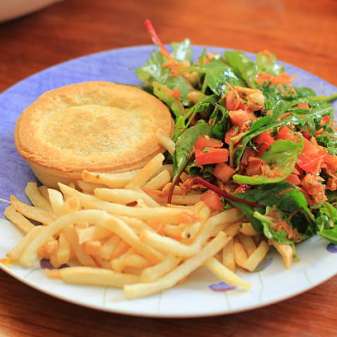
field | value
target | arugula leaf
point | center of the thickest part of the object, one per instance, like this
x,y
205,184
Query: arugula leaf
x,y
269,232
153,70
267,62
218,121
182,51
184,146
329,141
327,222
242,66
281,157
304,92
180,83
164,93
217,75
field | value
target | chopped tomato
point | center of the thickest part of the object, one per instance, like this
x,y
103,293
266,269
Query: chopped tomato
x,y
232,100
211,156
306,134
311,158
205,141
294,179
264,140
254,167
303,105
283,78
332,184
176,93
223,172
331,162
325,120
286,133
231,133
240,117
212,200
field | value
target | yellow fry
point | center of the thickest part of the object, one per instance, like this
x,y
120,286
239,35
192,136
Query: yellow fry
x,y
165,141
164,214
225,274
240,254
44,192
35,197
92,247
247,243
124,196
159,181
247,229
63,253
23,224
187,199
179,273
233,229
153,273
147,172
228,259
15,253
31,212
93,276
107,248
113,180
129,260
56,201
87,187
286,252
48,249
257,256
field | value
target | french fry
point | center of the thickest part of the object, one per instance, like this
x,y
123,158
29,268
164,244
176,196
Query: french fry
x,y
113,180
35,197
23,224
121,249
44,192
31,212
108,247
86,187
29,257
124,196
247,229
190,232
136,224
15,253
165,141
56,201
232,229
174,231
257,256
182,271
153,273
147,172
83,258
159,181
187,199
247,243
93,276
286,253
48,249
92,248
225,274
240,254
129,260
164,214
228,259
63,253
71,204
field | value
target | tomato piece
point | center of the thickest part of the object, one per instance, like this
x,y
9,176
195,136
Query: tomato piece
x,y
211,156
223,172
232,132
212,200
294,179
264,140
240,117
205,141
311,158
303,105
232,100
254,167
331,162
286,133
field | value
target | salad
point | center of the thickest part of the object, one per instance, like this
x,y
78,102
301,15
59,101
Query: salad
x,y
250,138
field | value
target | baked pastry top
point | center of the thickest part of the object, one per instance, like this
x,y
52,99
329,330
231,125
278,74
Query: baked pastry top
x,y
98,126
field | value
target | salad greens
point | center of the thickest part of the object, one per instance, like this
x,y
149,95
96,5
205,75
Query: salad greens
x,y
242,125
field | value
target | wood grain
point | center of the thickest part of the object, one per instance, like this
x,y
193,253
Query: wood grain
x,y
300,32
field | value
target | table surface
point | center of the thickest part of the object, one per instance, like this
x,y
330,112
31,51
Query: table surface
x,y
300,32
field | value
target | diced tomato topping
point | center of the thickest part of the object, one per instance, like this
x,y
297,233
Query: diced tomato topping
x,y
176,93
212,200
240,117
254,167
211,156
230,134
306,134
331,162
232,100
294,179
205,141
303,105
311,158
286,133
223,172
332,184
325,120
264,140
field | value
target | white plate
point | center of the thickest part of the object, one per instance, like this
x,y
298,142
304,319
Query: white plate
x,y
200,295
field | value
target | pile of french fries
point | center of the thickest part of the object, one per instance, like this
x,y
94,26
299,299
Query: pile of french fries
x,y
116,230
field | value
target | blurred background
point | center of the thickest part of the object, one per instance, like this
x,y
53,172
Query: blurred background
x,y
299,31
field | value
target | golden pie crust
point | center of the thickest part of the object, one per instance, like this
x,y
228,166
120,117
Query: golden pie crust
x,y
95,126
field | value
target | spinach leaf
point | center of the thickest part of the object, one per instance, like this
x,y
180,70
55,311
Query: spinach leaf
x,y
304,92
217,75
281,157
218,121
267,62
153,70
327,222
329,141
164,93
184,146
182,51
181,84
242,66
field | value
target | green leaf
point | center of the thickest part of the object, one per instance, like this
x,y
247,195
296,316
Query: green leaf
x,y
153,70
164,93
218,121
327,222
217,75
267,63
180,83
182,51
281,157
185,144
242,66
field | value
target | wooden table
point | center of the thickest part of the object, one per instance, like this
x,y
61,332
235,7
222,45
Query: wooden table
x,y
298,31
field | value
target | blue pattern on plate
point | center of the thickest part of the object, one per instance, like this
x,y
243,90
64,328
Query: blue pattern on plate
x,y
331,248
116,65
220,286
